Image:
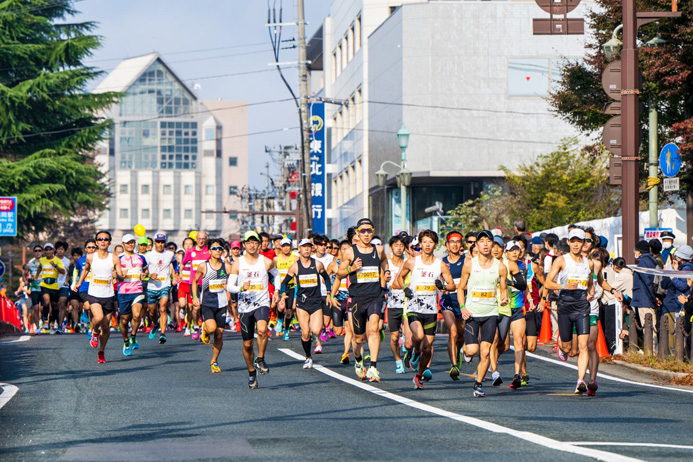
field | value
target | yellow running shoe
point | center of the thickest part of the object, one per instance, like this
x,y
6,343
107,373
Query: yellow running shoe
x,y
204,336
215,367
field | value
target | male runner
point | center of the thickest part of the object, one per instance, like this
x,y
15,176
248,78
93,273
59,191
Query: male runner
x,y
195,256
480,277
325,258
64,286
184,294
283,261
395,302
340,293
131,295
32,273
449,307
162,264
51,268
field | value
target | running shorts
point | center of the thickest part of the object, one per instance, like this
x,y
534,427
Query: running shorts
x,y
36,298
174,293
531,320
429,322
326,309
362,310
594,320
107,304
74,295
54,294
394,319
84,296
310,308
455,309
184,292
503,327
64,292
249,319
480,329
125,302
153,295
339,313
566,321
516,314
215,313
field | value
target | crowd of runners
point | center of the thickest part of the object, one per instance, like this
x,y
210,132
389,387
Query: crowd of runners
x,y
361,289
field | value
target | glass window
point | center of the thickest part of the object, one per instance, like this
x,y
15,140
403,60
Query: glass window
x,y
233,216
188,190
145,189
528,77
209,190
123,189
209,133
187,214
233,161
156,93
123,213
167,214
233,190
144,214
167,189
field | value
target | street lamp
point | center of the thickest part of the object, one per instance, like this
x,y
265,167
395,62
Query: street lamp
x,y
403,175
612,48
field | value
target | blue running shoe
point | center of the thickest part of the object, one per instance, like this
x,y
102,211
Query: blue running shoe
x,y
134,344
399,367
126,349
414,361
427,375
286,335
152,333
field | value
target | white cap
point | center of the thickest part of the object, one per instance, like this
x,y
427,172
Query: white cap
x,y
511,244
576,232
376,241
285,241
48,245
304,241
414,242
128,238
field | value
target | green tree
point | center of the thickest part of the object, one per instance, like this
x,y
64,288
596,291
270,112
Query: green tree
x,y
49,123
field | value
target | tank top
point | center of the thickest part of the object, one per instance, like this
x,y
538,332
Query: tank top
x,y
481,289
325,260
132,266
185,273
213,287
101,285
423,285
456,273
284,262
516,298
160,264
308,285
574,272
365,283
396,300
257,294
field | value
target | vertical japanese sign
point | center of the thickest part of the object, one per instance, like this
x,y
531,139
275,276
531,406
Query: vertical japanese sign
x,y
8,216
317,166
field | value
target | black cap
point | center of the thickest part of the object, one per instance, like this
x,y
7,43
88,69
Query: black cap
x,y
484,233
643,246
277,236
364,221
667,235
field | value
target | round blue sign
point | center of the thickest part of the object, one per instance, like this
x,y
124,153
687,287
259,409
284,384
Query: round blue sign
x,y
670,160
2,269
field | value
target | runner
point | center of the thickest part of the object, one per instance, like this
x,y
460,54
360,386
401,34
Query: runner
x,y
32,274
64,287
234,254
517,294
422,308
449,307
574,273
131,295
283,261
184,294
51,268
309,309
162,265
196,255
365,266
100,294
83,288
249,279
480,277
214,275
73,299
325,258
395,302
340,310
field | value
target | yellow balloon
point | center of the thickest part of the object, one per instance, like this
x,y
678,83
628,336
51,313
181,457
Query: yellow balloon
x,y
193,235
139,230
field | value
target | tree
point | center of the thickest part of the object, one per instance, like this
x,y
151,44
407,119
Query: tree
x,y
667,78
489,210
49,123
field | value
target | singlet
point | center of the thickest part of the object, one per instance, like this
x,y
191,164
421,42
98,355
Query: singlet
x,y
396,300
185,272
195,256
49,272
257,295
79,266
62,278
481,289
133,266
308,293
365,282
574,272
34,268
423,286
101,285
456,273
283,264
516,298
325,260
213,287
160,264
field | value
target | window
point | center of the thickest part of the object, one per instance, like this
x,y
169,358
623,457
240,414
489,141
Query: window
x,y
335,193
187,214
145,189
233,161
123,189
233,190
209,190
188,190
167,214
359,106
357,34
167,189
334,65
352,181
145,214
233,216
352,113
123,213
209,133
343,47
359,177
528,77
338,60
350,42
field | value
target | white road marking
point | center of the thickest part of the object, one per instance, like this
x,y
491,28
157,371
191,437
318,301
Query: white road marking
x,y
527,436
8,391
644,445
23,338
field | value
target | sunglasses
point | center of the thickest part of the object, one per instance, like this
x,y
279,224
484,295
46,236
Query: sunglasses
x,y
416,249
216,248
103,239
366,231
471,242
588,240
38,250
91,247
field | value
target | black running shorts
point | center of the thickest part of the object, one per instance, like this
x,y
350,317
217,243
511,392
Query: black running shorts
x,y
581,321
394,319
428,321
249,319
215,313
482,329
362,310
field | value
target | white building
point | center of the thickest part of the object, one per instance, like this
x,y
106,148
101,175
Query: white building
x,y
170,157
467,78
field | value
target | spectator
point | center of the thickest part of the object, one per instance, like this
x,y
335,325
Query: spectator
x,y
655,250
520,226
644,299
537,245
681,261
620,277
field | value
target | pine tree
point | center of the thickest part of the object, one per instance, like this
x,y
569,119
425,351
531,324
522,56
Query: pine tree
x,y
49,123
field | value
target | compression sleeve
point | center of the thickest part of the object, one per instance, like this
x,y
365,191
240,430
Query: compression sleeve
x,y
285,284
518,281
326,278
232,286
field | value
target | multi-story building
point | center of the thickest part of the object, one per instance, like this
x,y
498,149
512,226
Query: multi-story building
x,y
468,79
171,157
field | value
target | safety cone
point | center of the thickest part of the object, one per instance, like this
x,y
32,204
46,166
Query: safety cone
x,y
546,333
602,349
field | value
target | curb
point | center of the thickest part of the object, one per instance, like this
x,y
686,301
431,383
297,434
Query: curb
x,y
7,328
665,375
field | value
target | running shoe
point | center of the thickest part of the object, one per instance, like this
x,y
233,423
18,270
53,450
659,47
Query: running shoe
x,y
345,358
94,340
186,332
261,366
360,371
402,349
399,367
405,357
373,375
516,383
382,335
252,382
204,336
418,381
162,339
308,363
497,381
101,358
215,367
367,356
455,373
285,337
278,328
427,375
331,334
26,330
323,336
581,387
126,349
479,390
592,388
195,335
134,344
152,333
467,359
318,349
525,379
562,356
414,361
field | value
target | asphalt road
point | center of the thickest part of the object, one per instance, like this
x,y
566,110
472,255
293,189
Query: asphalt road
x,y
163,403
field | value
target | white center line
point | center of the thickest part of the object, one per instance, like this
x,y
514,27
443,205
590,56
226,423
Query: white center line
x,y
8,391
644,445
23,338
523,435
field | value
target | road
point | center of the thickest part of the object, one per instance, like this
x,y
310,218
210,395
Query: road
x,y
163,403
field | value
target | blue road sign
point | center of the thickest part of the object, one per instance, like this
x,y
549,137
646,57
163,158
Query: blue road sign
x,y
670,160
8,216
2,269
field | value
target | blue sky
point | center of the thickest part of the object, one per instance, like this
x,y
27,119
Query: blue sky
x,y
236,40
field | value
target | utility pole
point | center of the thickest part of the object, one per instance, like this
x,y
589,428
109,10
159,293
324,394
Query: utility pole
x,y
652,125
306,217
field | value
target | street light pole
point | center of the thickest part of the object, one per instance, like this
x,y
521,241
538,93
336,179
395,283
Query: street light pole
x,y
404,174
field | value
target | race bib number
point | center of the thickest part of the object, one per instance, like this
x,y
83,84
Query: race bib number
x,y
456,281
217,285
368,274
579,280
425,289
185,274
101,281
160,278
133,273
308,280
483,294
256,287
343,285
196,263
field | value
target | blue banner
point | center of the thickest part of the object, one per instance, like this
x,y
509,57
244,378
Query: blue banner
x,y
317,166
8,216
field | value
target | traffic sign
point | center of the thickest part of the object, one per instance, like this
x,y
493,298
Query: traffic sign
x,y
2,269
671,184
8,216
656,233
670,160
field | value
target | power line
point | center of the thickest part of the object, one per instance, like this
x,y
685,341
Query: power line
x,y
200,50
474,138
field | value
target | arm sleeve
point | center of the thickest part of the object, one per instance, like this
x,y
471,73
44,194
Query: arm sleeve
x,y
232,286
326,278
518,281
275,276
285,283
